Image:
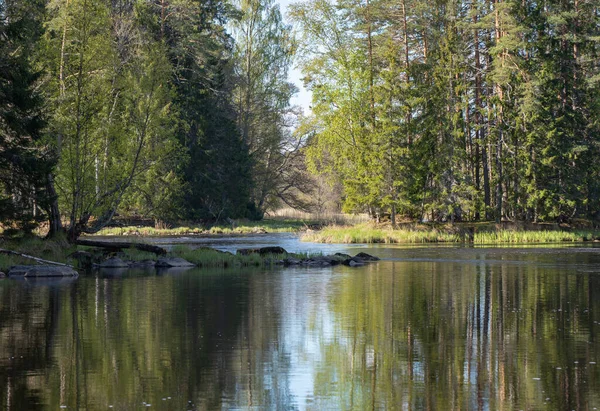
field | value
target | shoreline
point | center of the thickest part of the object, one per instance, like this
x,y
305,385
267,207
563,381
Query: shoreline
x,y
478,234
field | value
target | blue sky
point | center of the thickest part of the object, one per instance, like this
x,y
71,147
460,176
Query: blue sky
x,y
303,97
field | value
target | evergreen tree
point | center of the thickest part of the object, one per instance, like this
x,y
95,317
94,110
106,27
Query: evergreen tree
x,y
25,160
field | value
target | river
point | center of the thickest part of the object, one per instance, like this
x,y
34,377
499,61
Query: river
x,y
428,327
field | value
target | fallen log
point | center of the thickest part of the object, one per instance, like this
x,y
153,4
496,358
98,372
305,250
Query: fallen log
x,y
121,245
30,257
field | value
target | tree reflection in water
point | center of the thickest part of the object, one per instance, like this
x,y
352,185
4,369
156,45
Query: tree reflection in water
x,y
403,334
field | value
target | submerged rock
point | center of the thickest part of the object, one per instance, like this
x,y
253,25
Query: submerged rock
x,y
165,262
355,262
42,271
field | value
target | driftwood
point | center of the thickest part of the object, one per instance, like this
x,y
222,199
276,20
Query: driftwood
x,y
30,257
120,245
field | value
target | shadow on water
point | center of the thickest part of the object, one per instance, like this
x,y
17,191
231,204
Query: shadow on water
x,y
433,329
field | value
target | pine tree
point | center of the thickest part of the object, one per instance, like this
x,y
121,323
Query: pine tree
x,y
26,161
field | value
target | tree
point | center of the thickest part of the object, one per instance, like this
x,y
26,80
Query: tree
x,y
110,108
26,162
455,110
263,51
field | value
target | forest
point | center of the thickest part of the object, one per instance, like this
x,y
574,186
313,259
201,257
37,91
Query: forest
x,y
180,110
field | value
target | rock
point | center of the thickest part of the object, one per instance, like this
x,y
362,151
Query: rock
x,y
212,249
142,264
261,251
326,260
343,256
2,275
17,270
317,262
166,262
291,261
113,262
51,271
355,263
366,257
42,271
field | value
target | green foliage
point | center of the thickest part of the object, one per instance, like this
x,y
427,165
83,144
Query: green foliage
x,y
368,234
142,102
25,161
238,227
111,111
452,112
262,54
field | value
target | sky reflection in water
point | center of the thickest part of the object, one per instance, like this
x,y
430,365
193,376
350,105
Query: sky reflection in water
x,y
431,328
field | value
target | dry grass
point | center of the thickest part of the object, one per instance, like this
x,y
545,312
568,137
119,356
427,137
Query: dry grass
x,y
369,233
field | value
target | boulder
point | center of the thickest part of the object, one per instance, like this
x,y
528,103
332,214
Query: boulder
x,y
2,275
212,249
316,262
167,262
324,260
343,256
18,270
51,271
113,262
261,251
42,271
366,257
291,261
142,264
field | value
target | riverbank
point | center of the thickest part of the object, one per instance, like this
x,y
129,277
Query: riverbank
x,y
120,255
236,227
471,233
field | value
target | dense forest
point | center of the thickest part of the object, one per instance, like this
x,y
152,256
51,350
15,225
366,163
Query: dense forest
x,y
454,110
167,109
180,109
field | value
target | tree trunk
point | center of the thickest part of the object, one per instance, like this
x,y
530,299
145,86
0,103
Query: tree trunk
x,y
121,245
55,224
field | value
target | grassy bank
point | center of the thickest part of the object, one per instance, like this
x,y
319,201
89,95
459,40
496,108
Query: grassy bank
x,y
211,258
56,250
242,227
60,251
367,233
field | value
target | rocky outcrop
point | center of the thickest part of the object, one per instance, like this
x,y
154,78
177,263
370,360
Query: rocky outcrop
x,y
326,261
42,271
168,262
366,257
142,264
262,251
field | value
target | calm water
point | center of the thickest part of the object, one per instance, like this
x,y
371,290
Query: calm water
x,y
428,328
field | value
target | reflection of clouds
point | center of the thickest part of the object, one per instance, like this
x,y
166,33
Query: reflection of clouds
x,y
307,324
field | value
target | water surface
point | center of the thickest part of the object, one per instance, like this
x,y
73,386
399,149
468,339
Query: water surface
x,y
427,328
